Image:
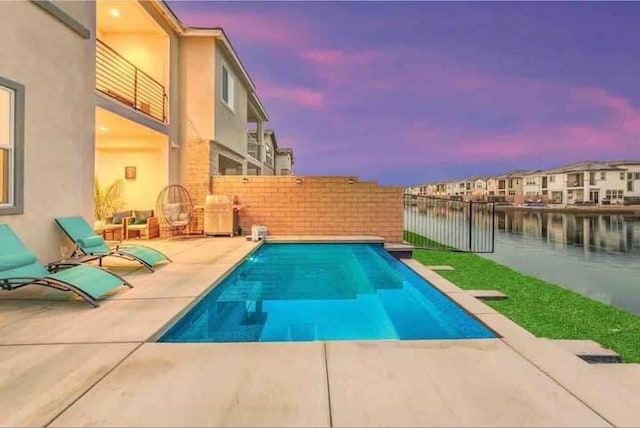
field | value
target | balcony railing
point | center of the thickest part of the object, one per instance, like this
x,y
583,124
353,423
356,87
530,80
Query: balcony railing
x,y
253,148
119,79
268,158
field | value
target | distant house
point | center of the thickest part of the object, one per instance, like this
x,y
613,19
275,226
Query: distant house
x,y
532,186
511,185
284,161
591,181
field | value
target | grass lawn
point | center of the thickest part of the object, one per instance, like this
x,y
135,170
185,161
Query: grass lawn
x,y
545,309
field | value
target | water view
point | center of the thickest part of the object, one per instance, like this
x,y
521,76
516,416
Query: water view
x,y
597,255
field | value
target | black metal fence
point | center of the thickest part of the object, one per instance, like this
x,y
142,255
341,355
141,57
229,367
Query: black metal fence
x,y
121,80
449,225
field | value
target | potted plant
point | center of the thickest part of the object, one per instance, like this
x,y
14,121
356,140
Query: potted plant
x,y
107,200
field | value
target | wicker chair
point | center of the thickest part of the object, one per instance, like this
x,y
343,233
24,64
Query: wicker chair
x,y
174,209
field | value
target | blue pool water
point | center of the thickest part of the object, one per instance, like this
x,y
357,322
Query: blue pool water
x,y
303,292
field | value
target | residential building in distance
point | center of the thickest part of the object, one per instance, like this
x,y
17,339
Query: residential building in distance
x,y
284,161
532,186
594,182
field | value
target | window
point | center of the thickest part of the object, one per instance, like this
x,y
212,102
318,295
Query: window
x,y
512,192
621,175
637,175
227,87
11,146
614,194
552,179
269,157
603,175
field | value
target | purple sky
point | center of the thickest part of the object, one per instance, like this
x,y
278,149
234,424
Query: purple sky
x,y
405,93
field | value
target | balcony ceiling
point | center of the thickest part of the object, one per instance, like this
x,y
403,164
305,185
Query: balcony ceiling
x,y
124,17
112,125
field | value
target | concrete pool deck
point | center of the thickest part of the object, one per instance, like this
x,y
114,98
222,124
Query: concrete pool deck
x,y
63,363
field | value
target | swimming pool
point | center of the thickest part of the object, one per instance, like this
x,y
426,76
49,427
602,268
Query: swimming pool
x,y
305,292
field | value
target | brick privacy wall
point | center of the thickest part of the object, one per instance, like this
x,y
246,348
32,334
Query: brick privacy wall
x,y
326,206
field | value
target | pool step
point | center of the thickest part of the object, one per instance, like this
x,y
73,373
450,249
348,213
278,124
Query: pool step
x,y
589,350
487,294
400,251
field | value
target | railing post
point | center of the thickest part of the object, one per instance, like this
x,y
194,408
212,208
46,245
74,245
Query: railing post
x,y
493,227
135,88
470,226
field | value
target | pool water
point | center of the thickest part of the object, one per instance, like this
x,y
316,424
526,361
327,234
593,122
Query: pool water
x,y
305,292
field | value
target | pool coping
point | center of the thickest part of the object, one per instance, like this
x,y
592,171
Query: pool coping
x,y
155,337
499,324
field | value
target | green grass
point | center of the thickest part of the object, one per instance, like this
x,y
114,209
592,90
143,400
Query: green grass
x,y
419,240
545,309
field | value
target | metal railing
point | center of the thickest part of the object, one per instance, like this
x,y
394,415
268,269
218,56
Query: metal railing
x,y
253,148
444,224
119,79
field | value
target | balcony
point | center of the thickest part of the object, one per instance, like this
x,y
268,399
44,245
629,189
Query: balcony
x,y
253,148
575,180
119,79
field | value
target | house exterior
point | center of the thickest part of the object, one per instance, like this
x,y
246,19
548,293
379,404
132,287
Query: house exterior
x,y
478,188
590,181
532,186
284,161
632,178
509,185
491,186
266,155
46,131
136,98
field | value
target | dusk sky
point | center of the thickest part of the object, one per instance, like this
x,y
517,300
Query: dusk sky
x,y
405,93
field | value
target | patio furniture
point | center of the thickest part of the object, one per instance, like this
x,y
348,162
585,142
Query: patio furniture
x,y
174,208
19,267
113,227
87,242
142,224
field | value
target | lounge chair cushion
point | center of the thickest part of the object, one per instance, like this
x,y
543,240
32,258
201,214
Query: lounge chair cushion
x,y
142,216
89,279
118,217
149,255
13,261
91,241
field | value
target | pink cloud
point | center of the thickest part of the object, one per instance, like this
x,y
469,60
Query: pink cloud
x,y
257,28
299,96
332,57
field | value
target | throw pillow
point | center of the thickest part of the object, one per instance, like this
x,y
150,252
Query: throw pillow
x,y
142,216
117,217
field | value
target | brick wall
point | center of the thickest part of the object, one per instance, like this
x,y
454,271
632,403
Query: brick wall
x,y
315,206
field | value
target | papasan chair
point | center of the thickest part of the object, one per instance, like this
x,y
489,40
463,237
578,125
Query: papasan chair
x,y
174,209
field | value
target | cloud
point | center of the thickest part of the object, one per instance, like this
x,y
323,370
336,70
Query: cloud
x,y
263,28
299,96
333,57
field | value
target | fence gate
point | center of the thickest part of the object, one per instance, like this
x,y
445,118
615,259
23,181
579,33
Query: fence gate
x,y
449,225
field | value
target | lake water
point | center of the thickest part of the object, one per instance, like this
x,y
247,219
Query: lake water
x,y
597,255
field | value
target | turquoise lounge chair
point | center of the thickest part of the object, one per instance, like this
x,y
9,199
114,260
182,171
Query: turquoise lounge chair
x,y
19,267
87,242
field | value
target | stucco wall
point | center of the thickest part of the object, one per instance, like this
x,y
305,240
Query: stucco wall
x,y
196,84
148,155
56,66
327,206
230,126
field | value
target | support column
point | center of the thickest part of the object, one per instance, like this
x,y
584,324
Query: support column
x,y
260,139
